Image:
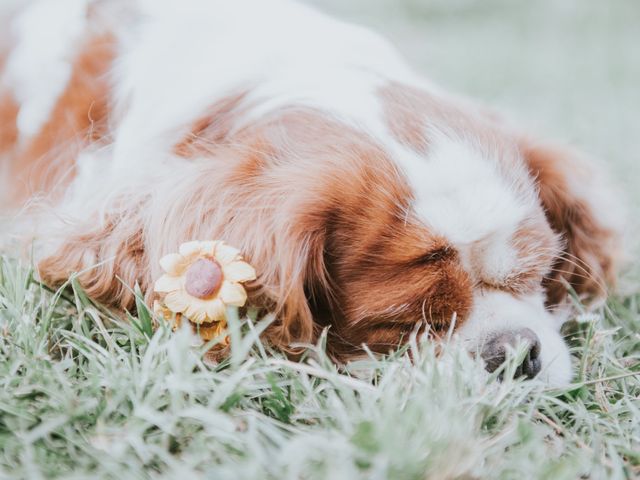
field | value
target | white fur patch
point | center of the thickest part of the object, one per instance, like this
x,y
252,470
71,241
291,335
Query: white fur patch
x,y
462,196
208,49
39,67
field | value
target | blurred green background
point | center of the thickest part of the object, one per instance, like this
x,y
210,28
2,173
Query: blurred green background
x,y
566,69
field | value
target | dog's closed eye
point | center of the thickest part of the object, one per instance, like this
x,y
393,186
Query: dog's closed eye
x,y
436,255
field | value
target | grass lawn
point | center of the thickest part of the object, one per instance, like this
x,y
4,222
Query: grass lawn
x,y
85,395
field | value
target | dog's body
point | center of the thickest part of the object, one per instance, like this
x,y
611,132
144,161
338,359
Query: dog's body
x,y
367,199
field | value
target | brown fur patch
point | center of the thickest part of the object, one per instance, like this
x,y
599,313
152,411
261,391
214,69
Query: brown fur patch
x,y
414,282
8,117
588,262
409,113
79,117
405,111
537,247
212,129
8,105
111,258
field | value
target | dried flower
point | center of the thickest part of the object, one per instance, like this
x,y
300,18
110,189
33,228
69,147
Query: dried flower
x,y
202,280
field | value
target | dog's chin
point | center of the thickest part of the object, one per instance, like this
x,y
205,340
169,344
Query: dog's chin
x,y
556,361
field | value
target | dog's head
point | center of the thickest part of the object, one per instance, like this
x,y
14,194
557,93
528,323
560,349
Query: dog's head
x,y
449,223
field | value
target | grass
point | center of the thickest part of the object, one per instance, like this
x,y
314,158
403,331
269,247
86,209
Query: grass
x,y
84,394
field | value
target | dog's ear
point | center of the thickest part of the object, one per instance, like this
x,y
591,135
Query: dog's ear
x,y
110,259
120,252
232,196
291,284
579,207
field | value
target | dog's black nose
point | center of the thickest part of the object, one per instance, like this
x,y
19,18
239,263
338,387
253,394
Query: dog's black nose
x,y
495,349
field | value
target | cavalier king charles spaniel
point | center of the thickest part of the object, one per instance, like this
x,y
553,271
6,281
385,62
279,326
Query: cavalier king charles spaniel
x,y
369,200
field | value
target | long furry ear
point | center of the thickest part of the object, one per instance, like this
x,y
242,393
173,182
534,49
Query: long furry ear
x,y
288,288
110,259
580,207
256,210
286,248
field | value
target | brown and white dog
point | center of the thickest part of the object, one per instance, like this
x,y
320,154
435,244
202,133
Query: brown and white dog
x,y
368,200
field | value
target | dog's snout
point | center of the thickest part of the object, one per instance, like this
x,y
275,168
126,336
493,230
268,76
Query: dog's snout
x,y
495,350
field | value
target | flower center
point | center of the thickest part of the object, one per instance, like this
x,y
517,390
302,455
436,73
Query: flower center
x,y
203,278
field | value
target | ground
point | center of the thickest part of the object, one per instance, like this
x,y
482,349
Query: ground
x,y
84,395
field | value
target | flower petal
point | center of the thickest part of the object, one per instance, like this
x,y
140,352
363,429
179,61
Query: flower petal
x,y
177,322
239,272
158,309
208,248
209,333
196,312
177,301
168,283
173,264
226,254
189,249
233,294
216,310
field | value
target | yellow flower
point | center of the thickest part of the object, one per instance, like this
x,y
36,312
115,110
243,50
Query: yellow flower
x,y
162,311
207,331
203,279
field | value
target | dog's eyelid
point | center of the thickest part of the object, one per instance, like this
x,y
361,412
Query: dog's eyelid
x,y
514,285
436,255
